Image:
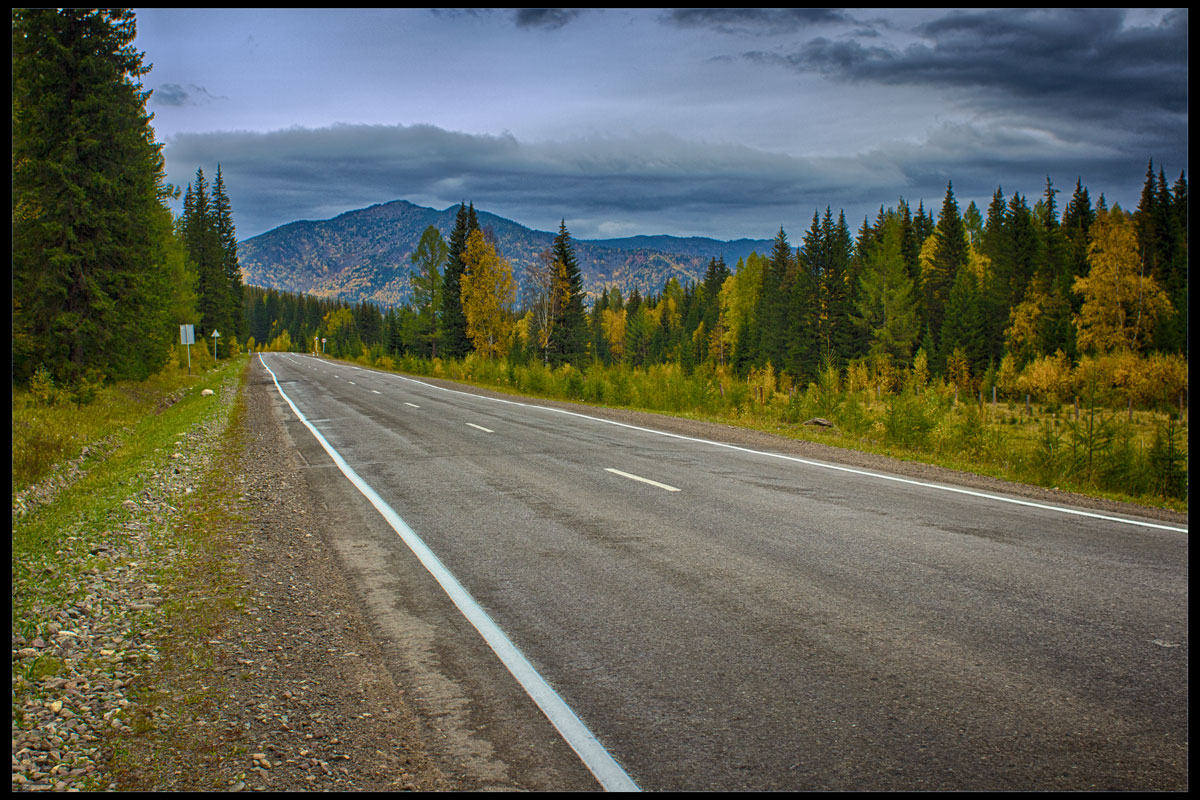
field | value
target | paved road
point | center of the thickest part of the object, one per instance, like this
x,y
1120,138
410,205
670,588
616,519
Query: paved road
x,y
725,619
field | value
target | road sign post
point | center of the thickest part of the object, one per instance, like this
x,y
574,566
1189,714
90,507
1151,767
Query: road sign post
x,y
216,335
187,337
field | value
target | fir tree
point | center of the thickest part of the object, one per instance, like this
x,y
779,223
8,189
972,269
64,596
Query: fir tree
x,y
568,342
453,322
886,306
426,283
227,241
773,315
90,290
950,254
202,237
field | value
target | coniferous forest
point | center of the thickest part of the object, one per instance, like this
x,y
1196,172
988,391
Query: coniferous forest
x,y
103,272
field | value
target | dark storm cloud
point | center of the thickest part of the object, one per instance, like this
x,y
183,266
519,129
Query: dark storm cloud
x,y
749,20
549,18
1077,62
659,183
1081,76
178,95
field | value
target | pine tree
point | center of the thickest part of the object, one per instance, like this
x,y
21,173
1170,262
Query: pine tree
x,y
1077,220
950,254
227,241
426,283
201,234
964,326
886,306
568,342
453,323
90,291
839,286
773,317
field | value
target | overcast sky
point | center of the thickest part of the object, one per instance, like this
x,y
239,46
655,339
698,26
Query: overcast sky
x,y
709,122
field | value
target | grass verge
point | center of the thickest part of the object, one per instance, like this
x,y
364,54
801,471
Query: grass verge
x,y
129,537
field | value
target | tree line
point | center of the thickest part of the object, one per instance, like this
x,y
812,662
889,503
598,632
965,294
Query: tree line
x,y
103,272
962,297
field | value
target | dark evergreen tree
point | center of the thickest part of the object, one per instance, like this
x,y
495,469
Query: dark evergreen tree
x,y
838,289
227,241
950,254
715,276
1077,221
453,322
202,237
965,322
1147,223
1172,332
774,318
91,292
569,336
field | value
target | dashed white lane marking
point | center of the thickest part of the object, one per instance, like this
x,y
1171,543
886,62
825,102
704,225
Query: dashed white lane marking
x,y
808,462
480,427
640,478
414,405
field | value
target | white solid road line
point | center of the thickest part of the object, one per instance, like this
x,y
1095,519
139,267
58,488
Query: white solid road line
x,y
640,478
598,760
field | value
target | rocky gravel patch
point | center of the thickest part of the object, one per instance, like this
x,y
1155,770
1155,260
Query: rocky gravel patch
x,y
74,676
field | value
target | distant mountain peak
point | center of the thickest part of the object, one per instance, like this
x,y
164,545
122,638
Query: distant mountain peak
x,y
364,254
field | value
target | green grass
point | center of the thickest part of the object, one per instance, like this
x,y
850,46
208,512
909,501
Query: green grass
x,y
51,545
49,427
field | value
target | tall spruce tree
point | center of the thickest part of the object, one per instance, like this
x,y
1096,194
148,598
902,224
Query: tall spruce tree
x,y
569,336
227,242
453,322
886,303
950,254
91,292
774,316
201,234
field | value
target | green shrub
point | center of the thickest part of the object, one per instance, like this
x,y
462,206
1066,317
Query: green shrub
x,y
906,420
1168,463
42,388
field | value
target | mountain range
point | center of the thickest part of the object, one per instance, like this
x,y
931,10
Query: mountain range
x,y
365,254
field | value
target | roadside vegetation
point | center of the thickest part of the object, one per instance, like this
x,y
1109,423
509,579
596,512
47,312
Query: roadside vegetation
x,y
1073,429
112,551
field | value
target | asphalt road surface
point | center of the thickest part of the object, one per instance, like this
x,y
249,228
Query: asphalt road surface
x,y
726,619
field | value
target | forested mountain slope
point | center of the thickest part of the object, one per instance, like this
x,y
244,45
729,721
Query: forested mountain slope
x,y
364,254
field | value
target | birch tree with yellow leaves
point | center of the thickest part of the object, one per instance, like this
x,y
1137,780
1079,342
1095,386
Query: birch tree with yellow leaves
x,y
1121,301
488,294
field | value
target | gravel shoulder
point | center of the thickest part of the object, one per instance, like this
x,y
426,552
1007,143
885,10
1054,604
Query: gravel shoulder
x,y
298,696
228,658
